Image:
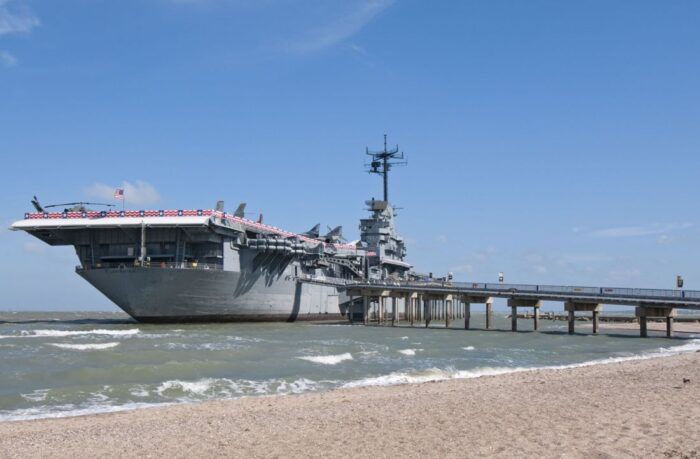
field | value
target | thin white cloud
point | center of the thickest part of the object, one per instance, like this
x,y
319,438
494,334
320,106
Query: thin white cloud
x,y
34,248
624,275
465,269
544,263
339,29
139,192
639,231
581,258
16,18
7,59
358,49
473,261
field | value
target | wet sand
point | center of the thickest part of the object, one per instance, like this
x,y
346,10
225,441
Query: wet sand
x,y
639,408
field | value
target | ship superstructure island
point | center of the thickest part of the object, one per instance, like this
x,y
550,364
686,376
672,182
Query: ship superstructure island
x,y
211,265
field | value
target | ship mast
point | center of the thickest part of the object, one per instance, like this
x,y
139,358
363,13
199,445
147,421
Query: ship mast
x,y
382,162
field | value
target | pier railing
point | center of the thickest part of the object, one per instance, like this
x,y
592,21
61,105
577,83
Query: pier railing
x,y
431,299
554,292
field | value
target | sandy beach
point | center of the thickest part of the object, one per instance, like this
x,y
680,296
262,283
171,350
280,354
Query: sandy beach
x,y
681,329
640,408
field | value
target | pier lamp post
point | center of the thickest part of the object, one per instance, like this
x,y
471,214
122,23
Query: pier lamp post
x,y
500,277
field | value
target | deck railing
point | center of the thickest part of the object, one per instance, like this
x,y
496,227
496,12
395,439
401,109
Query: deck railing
x,y
553,290
154,265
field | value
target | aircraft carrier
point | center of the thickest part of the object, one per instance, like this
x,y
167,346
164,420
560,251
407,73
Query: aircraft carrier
x,y
211,265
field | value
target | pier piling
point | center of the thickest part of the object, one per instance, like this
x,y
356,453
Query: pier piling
x,y
572,320
351,309
516,303
448,302
365,308
573,306
427,307
489,315
448,310
595,322
643,312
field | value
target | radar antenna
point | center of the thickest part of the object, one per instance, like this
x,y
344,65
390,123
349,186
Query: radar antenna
x,y
382,162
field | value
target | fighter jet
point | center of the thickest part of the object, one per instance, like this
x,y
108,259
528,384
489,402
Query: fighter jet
x,y
313,232
334,236
240,210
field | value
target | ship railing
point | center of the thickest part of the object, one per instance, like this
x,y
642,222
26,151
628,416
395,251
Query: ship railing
x,y
154,265
322,280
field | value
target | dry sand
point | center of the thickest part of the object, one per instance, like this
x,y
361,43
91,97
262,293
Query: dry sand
x,y
680,329
639,408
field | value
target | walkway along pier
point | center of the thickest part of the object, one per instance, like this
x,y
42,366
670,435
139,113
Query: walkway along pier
x,y
425,302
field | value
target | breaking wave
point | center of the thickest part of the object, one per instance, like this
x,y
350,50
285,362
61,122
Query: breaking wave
x,y
69,410
64,333
85,347
409,351
437,374
217,388
328,359
56,333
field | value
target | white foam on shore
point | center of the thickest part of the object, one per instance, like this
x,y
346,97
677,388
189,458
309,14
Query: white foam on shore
x,y
199,387
217,388
437,374
468,348
64,333
327,359
67,411
85,347
296,387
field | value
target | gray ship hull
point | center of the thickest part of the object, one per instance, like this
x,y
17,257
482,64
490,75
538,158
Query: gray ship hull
x,y
189,295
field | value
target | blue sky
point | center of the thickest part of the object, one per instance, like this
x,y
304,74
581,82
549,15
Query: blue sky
x,y
556,141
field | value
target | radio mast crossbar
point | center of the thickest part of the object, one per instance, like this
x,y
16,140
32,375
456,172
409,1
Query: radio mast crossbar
x,y
383,161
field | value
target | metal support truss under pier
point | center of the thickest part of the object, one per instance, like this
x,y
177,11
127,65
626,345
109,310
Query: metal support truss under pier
x,y
424,302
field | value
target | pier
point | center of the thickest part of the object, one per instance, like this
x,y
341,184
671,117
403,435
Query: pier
x,y
421,303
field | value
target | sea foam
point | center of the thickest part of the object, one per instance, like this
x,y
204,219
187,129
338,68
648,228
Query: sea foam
x,y
437,374
60,333
63,333
69,410
210,388
409,351
328,359
85,347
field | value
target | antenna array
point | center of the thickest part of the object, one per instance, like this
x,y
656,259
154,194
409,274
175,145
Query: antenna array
x,y
383,161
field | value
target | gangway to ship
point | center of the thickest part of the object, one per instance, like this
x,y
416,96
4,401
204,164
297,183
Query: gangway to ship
x,y
446,300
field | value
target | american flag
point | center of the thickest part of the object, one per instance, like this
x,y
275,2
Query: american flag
x,y
119,193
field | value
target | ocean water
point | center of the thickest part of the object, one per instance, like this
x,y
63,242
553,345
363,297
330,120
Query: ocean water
x,y
66,364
